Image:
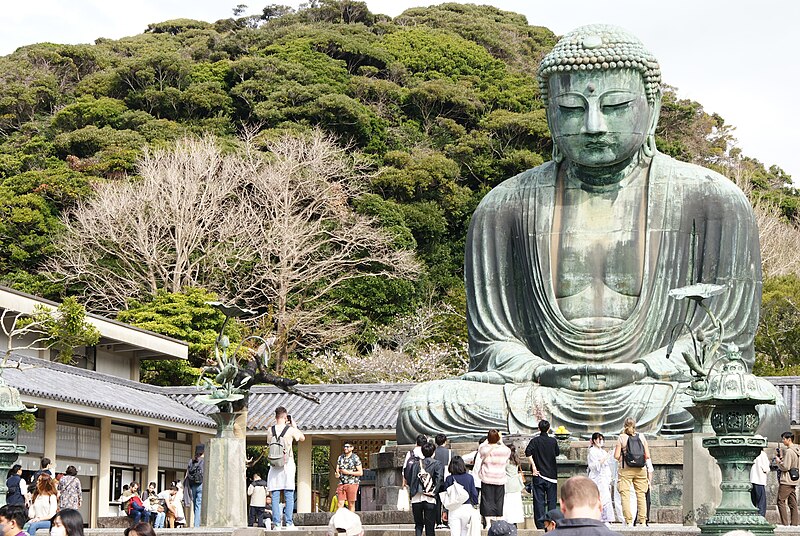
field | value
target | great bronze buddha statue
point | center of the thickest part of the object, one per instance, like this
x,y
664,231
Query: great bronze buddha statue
x,y
568,266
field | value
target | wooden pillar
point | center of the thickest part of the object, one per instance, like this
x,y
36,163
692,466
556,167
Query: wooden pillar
x,y
135,369
50,433
336,450
152,455
304,470
103,480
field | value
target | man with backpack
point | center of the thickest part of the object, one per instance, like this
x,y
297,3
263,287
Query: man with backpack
x,y
412,457
282,469
788,461
632,451
193,487
426,481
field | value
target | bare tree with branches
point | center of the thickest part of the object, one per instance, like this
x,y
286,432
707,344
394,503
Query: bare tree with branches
x,y
301,240
778,237
272,231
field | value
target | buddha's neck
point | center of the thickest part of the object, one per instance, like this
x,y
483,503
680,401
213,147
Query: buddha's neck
x,y
609,177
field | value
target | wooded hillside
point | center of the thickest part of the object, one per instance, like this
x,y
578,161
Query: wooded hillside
x,y
428,111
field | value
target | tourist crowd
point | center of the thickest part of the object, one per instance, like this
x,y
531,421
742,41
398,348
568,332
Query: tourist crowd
x,y
444,491
464,493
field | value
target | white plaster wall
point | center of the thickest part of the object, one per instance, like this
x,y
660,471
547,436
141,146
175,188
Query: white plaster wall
x,y
114,364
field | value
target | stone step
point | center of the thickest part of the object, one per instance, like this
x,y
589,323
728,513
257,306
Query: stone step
x,y
408,530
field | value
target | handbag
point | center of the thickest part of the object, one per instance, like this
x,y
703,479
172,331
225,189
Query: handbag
x,y
403,502
454,496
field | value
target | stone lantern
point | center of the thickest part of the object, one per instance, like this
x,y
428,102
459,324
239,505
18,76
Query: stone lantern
x,y
732,395
725,396
10,407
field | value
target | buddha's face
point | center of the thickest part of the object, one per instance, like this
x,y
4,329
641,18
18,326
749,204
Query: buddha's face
x,y
598,118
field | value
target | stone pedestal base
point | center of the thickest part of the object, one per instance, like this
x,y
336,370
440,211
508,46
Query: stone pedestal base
x,y
224,492
701,492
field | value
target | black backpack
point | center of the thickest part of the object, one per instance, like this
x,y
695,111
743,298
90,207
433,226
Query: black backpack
x,y
408,468
195,472
634,452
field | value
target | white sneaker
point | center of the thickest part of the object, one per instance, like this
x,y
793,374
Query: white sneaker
x,y
290,527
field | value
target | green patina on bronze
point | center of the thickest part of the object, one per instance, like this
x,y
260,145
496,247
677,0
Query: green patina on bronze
x,y
732,394
10,407
569,265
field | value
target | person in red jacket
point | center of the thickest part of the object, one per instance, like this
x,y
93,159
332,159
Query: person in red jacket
x,y
136,509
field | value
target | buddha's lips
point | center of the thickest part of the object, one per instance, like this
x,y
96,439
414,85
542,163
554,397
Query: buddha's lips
x,y
598,144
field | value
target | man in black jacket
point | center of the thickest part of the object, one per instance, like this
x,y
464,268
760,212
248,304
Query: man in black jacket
x,y
542,451
423,503
580,502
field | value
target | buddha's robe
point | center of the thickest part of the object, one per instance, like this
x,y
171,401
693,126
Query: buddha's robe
x,y
699,228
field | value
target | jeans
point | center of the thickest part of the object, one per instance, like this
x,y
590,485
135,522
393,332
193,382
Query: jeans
x,y
197,498
424,517
288,510
255,516
138,513
544,499
38,525
758,494
159,518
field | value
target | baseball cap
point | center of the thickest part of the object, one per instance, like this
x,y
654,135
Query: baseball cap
x,y
554,515
345,522
502,528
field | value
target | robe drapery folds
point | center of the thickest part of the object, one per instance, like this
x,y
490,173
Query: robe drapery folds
x,y
699,229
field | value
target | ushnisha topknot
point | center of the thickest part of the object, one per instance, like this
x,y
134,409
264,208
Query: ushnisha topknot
x,y
601,47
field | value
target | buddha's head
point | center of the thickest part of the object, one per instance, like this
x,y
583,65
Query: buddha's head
x,y
602,90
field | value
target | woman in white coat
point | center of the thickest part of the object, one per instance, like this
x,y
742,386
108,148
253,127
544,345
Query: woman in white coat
x,y
599,462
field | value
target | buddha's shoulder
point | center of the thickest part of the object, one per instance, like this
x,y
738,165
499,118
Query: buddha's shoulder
x,y
692,177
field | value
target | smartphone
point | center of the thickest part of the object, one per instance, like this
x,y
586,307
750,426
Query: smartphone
x,y
288,418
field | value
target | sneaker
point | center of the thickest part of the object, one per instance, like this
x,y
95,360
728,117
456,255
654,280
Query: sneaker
x,y
441,526
290,526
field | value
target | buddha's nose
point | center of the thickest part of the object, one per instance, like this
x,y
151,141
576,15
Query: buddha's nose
x,y
595,120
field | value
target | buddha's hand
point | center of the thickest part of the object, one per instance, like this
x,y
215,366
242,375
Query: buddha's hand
x,y
589,377
489,376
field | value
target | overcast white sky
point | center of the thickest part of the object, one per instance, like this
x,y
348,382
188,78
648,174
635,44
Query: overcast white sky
x,y
738,58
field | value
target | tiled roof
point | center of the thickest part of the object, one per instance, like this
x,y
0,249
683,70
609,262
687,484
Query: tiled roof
x,y
342,407
64,383
354,407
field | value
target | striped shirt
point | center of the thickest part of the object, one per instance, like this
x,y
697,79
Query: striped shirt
x,y
494,457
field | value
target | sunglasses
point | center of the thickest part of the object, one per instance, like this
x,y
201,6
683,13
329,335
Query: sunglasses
x,y
348,446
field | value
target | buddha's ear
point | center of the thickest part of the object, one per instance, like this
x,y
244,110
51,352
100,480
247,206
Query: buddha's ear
x,y
649,147
655,112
